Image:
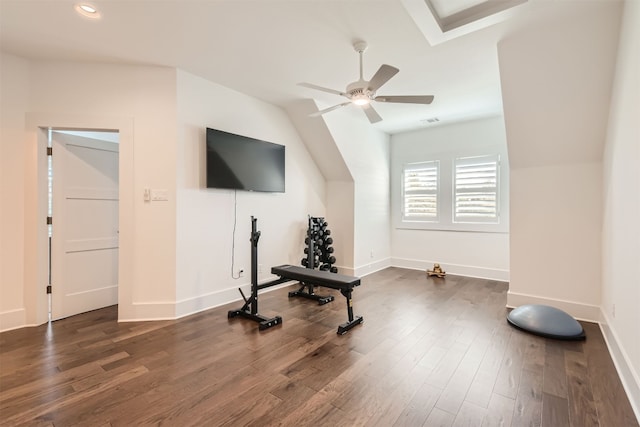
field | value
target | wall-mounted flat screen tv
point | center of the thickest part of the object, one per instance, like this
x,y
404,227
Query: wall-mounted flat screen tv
x,y
242,163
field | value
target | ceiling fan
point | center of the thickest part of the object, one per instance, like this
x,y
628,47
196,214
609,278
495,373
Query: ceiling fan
x,y
363,92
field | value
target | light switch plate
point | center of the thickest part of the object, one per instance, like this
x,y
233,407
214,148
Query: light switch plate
x,y
159,195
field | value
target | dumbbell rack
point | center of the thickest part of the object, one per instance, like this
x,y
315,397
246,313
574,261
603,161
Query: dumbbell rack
x,y
318,251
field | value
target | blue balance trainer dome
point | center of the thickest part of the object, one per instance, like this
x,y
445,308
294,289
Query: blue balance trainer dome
x,y
546,321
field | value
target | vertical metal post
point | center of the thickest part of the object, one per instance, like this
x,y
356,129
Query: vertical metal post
x,y
255,235
311,255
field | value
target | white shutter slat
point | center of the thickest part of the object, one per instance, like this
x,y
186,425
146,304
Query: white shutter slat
x,y
420,191
476,189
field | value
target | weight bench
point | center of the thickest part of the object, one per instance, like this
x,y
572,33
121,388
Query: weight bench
x,y
344,284
287,273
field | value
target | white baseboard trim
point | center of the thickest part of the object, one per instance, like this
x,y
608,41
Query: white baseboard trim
x,y
211,300
589,313
628,376
370,268
13,319
455,269
347,271
152,311
149,311
146,312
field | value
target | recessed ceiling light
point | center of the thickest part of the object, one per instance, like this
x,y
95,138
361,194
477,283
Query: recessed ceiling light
x,y
87,10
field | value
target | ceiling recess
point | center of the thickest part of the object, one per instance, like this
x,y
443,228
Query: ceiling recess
x,y
442,20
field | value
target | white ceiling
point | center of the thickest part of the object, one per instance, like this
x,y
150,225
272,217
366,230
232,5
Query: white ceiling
x,y
264,47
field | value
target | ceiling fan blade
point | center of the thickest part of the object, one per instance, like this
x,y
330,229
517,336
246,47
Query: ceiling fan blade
x,y
411,99
384,73
372,114
323,89
326,110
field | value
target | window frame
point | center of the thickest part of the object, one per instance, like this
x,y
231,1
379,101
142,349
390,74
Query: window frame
x,y
495,189
446,196
430,164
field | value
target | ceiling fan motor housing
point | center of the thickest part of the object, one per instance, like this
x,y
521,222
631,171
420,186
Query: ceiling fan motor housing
x,y
358,91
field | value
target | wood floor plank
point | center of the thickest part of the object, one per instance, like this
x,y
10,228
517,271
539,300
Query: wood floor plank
x,y
388,406
499,412
439,418
431,352
528,403
419,408
508,379
455,391
582,407
480,390
469,415
555,410
610,399
555,378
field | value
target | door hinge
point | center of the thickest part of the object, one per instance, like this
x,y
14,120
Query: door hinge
x,y
48,289
49,220
49,151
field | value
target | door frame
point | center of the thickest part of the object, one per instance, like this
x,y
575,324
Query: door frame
x,y
70,150
36,241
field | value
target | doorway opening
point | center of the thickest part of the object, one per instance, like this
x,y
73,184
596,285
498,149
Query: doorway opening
x,y
82,220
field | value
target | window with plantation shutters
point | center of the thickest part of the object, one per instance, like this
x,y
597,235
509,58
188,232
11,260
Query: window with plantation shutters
x,y
476,189
420,191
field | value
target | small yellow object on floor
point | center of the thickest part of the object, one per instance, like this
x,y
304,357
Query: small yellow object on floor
x,y
437,271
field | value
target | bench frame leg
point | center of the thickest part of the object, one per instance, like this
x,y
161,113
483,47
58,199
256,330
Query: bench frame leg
x,y
310,294
353,320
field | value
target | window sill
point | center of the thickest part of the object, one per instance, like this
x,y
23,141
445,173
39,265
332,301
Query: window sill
x,y
457,227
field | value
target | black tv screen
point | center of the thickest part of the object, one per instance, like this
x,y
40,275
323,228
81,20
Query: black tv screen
x,y
243,163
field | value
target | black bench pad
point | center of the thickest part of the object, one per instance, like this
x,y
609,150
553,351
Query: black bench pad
x,y
316,277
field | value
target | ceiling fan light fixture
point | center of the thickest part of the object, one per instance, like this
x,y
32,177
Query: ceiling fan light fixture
x,y
361,100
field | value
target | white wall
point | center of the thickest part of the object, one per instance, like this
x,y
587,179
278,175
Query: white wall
x,y
140,102
340,191
170,265
621,202
14,98
341,219
147,95
365,151
477,254
206,217
555,237
556,84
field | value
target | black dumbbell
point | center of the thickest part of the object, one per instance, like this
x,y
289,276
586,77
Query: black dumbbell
x,y
328,240
329,249
304,262
334,269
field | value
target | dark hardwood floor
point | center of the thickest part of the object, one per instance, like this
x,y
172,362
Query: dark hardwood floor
x,y
431,352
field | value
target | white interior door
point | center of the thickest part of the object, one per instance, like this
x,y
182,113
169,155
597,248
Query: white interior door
x,y
84,240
